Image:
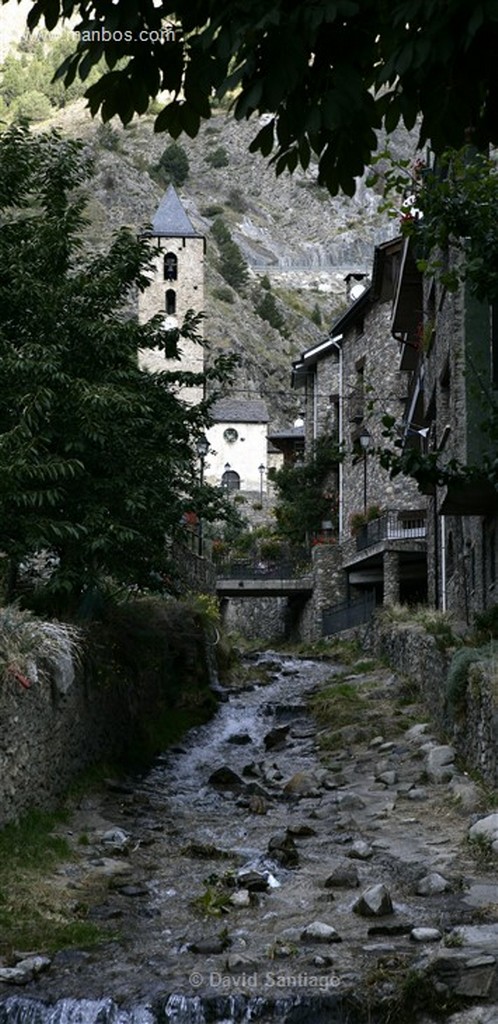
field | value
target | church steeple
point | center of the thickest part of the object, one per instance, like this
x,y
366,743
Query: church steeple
x,y
171,220
177,284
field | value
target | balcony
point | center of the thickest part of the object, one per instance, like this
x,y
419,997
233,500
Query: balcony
x,y
393,525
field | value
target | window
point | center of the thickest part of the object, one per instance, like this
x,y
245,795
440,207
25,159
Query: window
x,y
170,300
230,480
170,267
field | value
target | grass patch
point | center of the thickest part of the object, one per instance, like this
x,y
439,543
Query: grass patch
x,y
337,705
34,915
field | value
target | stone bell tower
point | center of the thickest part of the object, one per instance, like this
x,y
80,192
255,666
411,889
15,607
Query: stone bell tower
x,y
177,284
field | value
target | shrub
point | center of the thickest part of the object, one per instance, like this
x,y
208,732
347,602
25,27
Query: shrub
x,y
217,157
224,293
458,674
486,623
316,315
213,210
32,106
237,201
173,166
266,307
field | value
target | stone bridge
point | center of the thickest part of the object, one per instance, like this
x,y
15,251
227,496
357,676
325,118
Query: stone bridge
x,y
248,579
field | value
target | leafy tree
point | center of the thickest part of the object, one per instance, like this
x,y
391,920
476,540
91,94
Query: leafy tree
x,y
307,494
217,157
31,106
316,315
97,457
232,265
329,73
173,166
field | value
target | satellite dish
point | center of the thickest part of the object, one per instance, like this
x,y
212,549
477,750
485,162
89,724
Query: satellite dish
x,y
357,290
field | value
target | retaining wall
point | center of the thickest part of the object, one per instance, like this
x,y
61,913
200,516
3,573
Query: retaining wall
x,y
473,730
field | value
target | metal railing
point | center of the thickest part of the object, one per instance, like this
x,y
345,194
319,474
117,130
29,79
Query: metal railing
x,y
262,569
350,613
393,525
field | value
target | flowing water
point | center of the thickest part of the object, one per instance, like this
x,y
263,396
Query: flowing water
x,y
185,953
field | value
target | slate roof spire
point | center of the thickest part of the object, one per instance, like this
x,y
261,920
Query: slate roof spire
x,y
171,219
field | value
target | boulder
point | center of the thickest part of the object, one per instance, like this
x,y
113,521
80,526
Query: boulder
x,y
360,850
432,885
226,779
425,934
374,902
318,931
283,849
344,875
485,828
275,739
440,764
300,785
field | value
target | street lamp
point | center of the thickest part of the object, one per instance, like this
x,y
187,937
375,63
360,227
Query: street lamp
x,y
202,448
365,439
225,479
261,470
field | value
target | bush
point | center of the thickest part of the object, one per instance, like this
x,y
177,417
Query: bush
x,y
224,293
316,315
173,166
458,674
213,210
237,201
486,623
217,157
32,106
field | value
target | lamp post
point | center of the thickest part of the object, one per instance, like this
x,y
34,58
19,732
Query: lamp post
x,y
202,448
365,439
261,470
226,469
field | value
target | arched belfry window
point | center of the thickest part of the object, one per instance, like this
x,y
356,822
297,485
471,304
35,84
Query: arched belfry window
x,y
170,267
170,300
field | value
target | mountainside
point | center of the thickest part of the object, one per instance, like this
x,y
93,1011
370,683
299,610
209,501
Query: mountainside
x,y
287,228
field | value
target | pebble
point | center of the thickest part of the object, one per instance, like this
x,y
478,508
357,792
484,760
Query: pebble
x,y
432,885
374,902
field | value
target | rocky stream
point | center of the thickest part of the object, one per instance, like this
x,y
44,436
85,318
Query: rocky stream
x,y
261,873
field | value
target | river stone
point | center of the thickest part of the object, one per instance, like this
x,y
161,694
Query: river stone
x,y
226,778
254,881
116,839
415,732
360,850
432,885
275,739
318,931
301,784
283,849
16,975
240,739
374,902
389,778
301,831
344,875
485,827
425,934
350,801
241,898
439,764
214,945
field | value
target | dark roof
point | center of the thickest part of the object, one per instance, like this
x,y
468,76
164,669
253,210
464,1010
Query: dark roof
x,y
354,312
171,219
291,434
239,410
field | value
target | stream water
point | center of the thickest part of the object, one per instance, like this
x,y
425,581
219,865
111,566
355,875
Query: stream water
x,y
229,837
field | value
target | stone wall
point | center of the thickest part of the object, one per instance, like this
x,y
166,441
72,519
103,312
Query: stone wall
x,y
415,653
60,725
257,618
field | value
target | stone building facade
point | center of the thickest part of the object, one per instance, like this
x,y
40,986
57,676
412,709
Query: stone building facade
x,y
350,381
450,346
176,286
